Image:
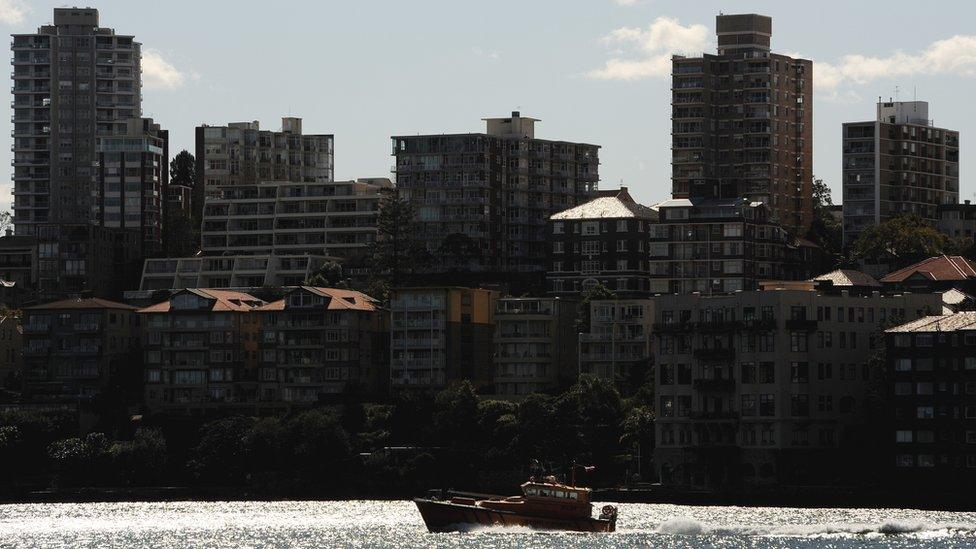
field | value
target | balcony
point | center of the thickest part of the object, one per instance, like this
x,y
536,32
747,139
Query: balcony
x,y
800,324
714,354
759,324
714,415
714,384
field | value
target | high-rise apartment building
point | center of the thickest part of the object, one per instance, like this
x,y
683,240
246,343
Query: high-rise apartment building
x,y
132,180
241,153
494,191
73,84
899,163
742,123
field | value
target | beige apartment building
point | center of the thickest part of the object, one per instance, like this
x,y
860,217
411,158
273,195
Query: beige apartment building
x,y
535,345
769,386
618,345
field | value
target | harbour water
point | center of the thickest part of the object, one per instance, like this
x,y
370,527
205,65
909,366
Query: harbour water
x,y
367,524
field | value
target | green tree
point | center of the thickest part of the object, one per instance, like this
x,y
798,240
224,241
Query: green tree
x,y
329,275
142,460
398,248
456,415
458,250
902,241
221,455
596,293
183,169
6,220
825,230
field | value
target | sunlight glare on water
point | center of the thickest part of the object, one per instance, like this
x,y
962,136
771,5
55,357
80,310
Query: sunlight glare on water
x,y
367,524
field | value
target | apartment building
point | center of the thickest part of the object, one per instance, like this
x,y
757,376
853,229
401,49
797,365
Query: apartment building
x,y
719,246
324,218
957,220
200,350
742,123
439,335
932,390
228,271
602,241
535,345
75,349
73,83
495,190
618,345
317,342
769,386
18,269
131,183
240,153
897,164
11,353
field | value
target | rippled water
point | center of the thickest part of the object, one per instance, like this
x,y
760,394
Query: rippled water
x,y
396,523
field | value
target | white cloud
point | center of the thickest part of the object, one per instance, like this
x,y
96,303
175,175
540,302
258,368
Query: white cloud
x,y
12,12
625,2
650,49
955,55
494,55
158,73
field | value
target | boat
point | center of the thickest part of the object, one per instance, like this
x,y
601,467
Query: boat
x,y
544,505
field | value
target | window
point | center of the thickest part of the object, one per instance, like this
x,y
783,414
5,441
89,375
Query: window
x,y
800,405
767,405
621,225
903,436
748,405
558,247
798,342
667,374
557,228
667,406
925,412
903,365
767,372
800,372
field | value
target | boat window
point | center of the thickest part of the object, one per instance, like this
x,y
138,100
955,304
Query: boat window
x,y
531,491
573,495
560,494
544,493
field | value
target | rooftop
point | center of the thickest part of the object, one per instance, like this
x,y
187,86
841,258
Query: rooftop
x,y
935,269
87,303
955,322
848,277
611,205
337,300
223,300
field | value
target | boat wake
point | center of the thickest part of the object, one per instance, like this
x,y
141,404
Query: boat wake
x,y
692,527
495,529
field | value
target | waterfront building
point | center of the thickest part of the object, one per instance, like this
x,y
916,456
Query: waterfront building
x,y
931,387
76,349
719,246
73,84
770,386
617,347
324,218
742,123
602,241
321,342
535,345
228,271
439,335
897,164
240,153
200,350
11,353
494,192
18,269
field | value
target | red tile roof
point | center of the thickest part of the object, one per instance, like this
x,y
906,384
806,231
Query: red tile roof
x,y
224,300
340,300
938,268
87,303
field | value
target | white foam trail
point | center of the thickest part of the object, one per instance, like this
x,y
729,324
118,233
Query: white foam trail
x,y
692,527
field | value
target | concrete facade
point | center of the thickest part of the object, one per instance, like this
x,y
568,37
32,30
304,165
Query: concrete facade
x,y
535,345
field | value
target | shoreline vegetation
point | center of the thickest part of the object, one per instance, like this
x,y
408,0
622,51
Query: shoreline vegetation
x,y
396,450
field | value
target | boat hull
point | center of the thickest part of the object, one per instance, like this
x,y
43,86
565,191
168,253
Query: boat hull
x,y
445,516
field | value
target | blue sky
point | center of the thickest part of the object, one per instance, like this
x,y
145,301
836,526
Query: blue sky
x,y
592,70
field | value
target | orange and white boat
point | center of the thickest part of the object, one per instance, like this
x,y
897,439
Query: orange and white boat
x,y
543,505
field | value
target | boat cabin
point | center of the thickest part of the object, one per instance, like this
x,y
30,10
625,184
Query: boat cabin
x,y
556,491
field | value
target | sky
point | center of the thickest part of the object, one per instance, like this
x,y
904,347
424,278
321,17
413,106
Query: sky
x,y
596,71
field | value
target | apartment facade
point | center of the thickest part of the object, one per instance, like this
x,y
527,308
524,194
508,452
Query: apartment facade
x,y
899,163
602,241
535,345
495,190
229,271
74,349
200,351
718,246
957,220
617,347
11,353
439,335
323,218
132,181
768,386
742,123
317,342
932,391
73,83
240,153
